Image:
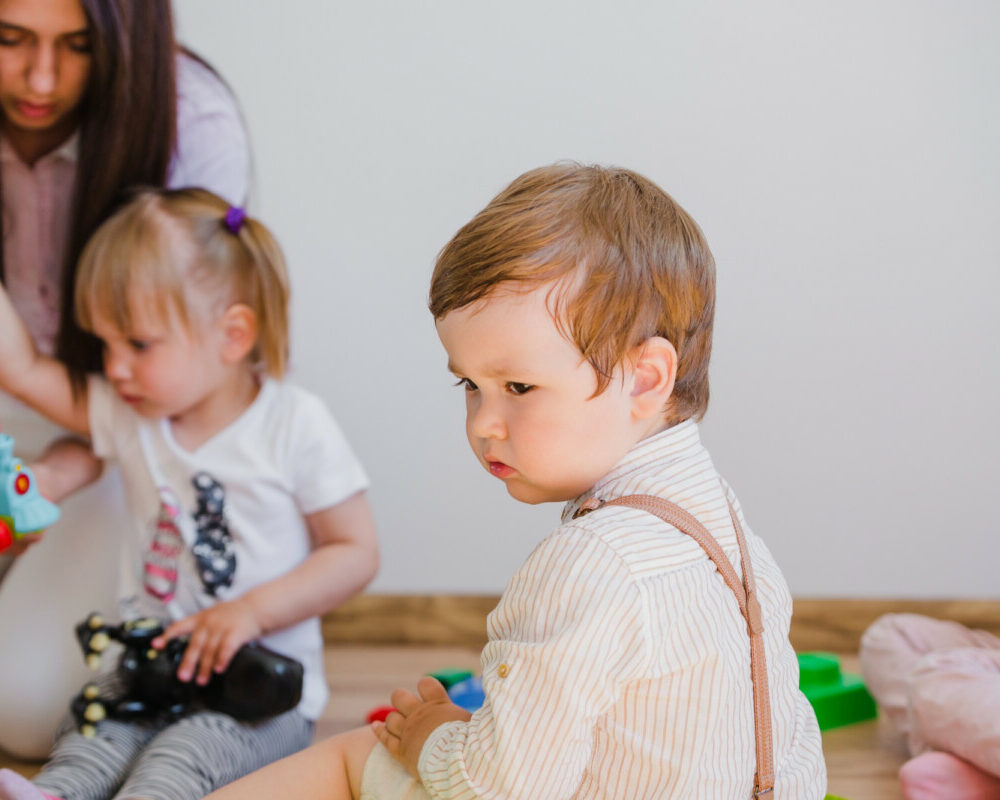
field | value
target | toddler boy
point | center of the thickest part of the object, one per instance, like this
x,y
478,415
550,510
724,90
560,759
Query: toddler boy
x,y
576,310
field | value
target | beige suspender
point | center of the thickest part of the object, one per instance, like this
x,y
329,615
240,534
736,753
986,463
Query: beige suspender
x,y
746,596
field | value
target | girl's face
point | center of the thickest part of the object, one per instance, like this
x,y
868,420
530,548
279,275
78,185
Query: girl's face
x,y
531,415
163,368
44,67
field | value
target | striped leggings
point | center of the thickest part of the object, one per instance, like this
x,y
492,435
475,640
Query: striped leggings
x,y
181,760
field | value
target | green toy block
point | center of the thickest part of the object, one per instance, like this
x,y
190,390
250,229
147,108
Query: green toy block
x,y
838,698
449,677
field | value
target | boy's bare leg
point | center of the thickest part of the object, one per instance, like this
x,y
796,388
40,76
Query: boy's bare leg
x,y
329,770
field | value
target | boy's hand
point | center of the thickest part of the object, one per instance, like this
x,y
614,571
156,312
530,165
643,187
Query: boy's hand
x,y
216,634
406,729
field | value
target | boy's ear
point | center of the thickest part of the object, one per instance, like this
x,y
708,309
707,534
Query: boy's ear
x,y
654,371
239,329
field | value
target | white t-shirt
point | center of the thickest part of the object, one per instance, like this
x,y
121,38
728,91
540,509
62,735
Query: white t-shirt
x,y
211,524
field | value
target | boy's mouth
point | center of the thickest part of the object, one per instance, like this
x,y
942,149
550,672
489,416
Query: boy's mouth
x,y
499,469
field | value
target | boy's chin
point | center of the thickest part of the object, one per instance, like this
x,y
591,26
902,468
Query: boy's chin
x,y
534,495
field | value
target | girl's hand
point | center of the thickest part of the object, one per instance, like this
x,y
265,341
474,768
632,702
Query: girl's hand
x,y
216,634
406,729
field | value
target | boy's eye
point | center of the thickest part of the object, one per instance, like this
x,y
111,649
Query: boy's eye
x,y
519,388
467,384
139,345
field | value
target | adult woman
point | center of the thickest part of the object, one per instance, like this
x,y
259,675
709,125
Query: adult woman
x,y
95,97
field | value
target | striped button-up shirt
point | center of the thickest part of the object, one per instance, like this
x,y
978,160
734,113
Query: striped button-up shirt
x,y
618,664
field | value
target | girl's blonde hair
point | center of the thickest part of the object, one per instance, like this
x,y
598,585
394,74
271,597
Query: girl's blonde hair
x,y
167,247
631,263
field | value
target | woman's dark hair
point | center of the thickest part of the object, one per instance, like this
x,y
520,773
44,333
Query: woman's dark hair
x,y
127,134
128,129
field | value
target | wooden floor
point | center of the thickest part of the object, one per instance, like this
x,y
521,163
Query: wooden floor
x,y
861,759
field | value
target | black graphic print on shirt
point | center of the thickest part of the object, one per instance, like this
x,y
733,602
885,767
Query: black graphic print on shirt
x,y
213,548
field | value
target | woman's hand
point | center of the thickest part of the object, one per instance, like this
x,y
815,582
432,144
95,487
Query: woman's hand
x,y
215,634
67,466
21,544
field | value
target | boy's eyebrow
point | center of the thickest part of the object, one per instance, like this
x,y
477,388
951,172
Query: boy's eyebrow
x,y
494,371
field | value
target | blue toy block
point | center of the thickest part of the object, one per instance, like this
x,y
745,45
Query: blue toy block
x,y
468,694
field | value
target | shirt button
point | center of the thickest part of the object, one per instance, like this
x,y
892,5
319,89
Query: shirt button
x,y
503,670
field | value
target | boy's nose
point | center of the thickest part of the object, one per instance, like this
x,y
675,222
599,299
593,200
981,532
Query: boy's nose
x,y
484,420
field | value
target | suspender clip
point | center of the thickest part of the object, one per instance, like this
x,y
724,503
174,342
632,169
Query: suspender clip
x,y
591,505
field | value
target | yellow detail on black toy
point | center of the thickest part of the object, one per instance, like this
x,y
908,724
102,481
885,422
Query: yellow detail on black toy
x,y
22,509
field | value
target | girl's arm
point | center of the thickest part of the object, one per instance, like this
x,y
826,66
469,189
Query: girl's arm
x,y
343,561
37,380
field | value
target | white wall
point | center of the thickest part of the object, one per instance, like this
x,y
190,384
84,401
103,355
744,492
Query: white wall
x,y
842,158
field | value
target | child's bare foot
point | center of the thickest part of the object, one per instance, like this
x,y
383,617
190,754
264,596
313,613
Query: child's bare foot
x,y
942,776
16,787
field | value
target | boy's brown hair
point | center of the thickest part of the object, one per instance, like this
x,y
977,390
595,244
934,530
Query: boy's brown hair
x,y
168,246
633,263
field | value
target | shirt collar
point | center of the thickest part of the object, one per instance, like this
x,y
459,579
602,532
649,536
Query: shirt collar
x,y
68,151
662,450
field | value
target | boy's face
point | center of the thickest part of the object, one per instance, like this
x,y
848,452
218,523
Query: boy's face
x,y
530,415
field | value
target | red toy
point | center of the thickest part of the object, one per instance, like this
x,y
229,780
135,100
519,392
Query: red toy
x,y
379,713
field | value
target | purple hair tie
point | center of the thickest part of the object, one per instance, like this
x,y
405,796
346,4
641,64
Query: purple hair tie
x,y
235,217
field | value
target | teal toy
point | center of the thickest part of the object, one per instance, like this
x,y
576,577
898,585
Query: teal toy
x,y
838,698
23,510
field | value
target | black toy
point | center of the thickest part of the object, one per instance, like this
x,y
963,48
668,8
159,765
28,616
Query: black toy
x,y
259,682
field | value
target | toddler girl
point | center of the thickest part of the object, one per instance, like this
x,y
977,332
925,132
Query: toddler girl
x,y
266,501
